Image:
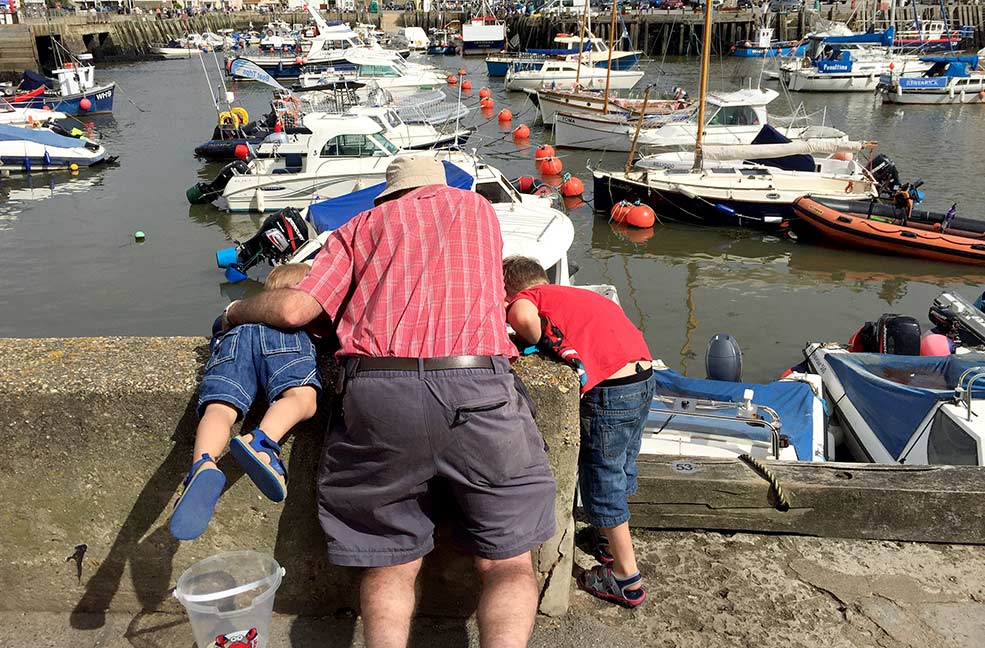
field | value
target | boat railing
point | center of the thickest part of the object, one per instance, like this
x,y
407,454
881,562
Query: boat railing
x,y
962,391
711,410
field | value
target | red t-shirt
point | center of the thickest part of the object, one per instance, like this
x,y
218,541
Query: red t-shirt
x,y
586,330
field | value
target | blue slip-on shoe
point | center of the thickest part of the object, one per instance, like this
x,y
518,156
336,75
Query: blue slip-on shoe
x,y
272,479
194,508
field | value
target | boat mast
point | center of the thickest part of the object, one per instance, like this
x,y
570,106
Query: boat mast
x,y
608,70
892,24
705,59
639,125
581,46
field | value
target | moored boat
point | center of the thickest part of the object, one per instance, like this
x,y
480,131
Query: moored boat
x,y
950,80
40,149
892,229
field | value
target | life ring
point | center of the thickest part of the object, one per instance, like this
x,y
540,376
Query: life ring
x,y
244,117
230,118
850,187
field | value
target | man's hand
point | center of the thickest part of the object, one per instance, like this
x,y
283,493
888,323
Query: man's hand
x,y
287,308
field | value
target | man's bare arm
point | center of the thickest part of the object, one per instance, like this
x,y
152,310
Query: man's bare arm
x,y
282,308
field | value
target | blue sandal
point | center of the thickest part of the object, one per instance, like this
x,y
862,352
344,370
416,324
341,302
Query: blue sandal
x,y
270,479
194,508
601,582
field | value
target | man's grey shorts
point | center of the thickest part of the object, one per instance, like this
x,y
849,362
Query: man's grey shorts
x,y
402,429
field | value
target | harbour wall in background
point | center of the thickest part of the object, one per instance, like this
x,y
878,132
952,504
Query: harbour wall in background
x,y
98,435
656,33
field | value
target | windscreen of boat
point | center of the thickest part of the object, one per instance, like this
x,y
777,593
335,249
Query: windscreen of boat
x,y
793,402
894,394
329,215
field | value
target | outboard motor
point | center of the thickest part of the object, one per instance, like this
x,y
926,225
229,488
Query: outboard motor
x,y
206,192
280,235
884,172
891,333
723,359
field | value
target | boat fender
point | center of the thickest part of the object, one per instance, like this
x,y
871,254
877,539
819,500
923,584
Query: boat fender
x,y
723,359
935,344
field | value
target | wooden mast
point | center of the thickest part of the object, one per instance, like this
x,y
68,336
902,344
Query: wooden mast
x,y
705,58
608,70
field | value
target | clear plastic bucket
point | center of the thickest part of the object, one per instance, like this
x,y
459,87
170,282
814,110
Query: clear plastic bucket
x,y
230,598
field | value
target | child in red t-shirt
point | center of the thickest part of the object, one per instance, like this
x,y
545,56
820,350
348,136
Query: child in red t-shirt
x,y
592,333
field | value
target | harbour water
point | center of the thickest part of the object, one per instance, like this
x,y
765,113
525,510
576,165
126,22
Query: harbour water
x,y
72,267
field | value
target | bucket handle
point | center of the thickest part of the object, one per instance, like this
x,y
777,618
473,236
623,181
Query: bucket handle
x,y
236,591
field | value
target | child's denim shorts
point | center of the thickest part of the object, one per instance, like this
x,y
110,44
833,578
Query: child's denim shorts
x,y
612,422
255,355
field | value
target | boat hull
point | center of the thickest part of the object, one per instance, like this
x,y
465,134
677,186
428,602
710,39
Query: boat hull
x,y
770,52
100,101
624,80
498,67
858,231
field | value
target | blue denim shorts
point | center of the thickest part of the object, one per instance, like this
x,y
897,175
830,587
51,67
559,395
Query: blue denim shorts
x,y
612,422
250,356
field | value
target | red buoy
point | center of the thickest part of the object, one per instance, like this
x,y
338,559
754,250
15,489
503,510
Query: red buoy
x,y
543,152
641,216
452,80
85,104
505,115
484,93
551,166
278,127
466,85
521,132
461,71
620,211
525,184
241,152
572,187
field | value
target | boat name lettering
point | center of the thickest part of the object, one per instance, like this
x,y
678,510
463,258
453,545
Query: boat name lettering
x,y
814,209
103,95
917,82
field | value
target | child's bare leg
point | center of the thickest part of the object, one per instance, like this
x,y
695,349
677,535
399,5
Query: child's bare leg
x,y
213,431
294,405
621,548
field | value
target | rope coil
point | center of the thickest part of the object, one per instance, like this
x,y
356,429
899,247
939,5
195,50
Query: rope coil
x,y
780,501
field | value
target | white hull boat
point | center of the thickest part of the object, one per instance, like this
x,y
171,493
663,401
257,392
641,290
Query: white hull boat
x,y
951,80
565,74
39,149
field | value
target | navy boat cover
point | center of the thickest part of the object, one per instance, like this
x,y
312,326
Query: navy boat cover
x,y
37,135
792,400
32,80
769,135
887,389
329,215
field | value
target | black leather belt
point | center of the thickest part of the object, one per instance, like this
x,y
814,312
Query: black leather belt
x,y
357,364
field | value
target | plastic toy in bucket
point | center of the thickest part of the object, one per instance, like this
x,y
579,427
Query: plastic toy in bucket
x,y
230,599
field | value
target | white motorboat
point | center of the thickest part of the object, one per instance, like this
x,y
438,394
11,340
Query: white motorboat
x,y
40,149
735,118
177,51
348,153
15,116
595,53
384,71
905,409
565,74
951,80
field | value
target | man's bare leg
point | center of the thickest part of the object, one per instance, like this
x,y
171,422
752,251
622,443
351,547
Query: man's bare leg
x,y
388,598
508,603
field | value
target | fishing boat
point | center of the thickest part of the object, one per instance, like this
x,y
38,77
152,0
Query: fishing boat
x,y
563,74
441,44
483,33
766,47
931,36
892,228
950,80
73,91
40,149
736,118
905,409
848,64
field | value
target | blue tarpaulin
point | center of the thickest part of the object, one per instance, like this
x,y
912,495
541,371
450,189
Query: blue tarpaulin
x,y
329,215
894,394
972,61
38,135
793,402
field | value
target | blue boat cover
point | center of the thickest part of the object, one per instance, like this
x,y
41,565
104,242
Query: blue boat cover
x,y
972,61
873,37
885,389
329,215
32,80
793,402
37,135
769,135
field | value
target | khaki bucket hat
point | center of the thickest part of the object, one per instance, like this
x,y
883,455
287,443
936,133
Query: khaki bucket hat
x,y
411,172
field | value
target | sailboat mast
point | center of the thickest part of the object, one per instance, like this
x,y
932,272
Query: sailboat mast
x,y
608,69
892,23
581,45
705,58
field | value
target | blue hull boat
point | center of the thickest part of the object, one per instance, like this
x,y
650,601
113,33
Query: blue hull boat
x,y
774,50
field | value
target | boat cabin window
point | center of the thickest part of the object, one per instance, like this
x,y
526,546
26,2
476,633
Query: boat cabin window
x,y
355,146
393,119
492,191
377,71
735,116
948,444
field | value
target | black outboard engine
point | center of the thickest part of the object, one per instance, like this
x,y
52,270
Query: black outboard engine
x,y
723,359
206,192
884,172
891,333
280,235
